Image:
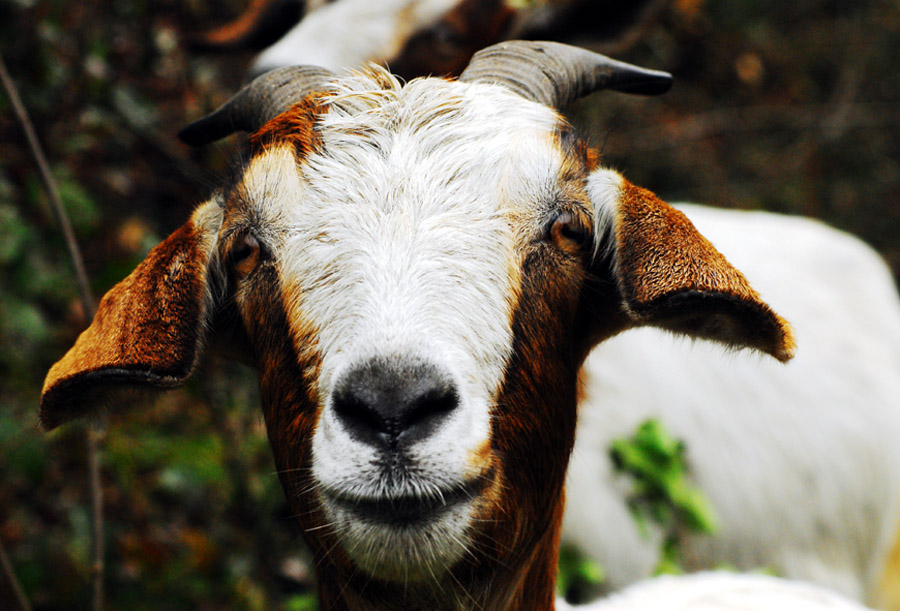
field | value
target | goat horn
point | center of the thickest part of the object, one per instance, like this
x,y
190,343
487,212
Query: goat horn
x,y
264,98
555,74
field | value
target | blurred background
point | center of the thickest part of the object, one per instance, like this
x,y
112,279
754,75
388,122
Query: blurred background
x,y
785,106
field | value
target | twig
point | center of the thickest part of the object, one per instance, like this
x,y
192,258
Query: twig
x,y
95,433
14,584
94,437
56,204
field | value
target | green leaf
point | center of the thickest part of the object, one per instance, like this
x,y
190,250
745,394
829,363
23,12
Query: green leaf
x,y
14,234
670,560
577,573
80,206
302,602
23,324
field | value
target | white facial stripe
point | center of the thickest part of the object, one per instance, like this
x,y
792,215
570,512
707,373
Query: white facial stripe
x,y
604,189
401,230
207,219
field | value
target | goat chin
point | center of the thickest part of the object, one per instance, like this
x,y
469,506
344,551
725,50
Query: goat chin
x,y
714,591
799,461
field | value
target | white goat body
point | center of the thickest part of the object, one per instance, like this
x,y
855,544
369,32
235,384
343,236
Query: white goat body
x,y
715,591
367,31
800,460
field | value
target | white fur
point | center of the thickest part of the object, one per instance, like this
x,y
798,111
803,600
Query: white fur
x,y
720,591
207,220
351,33
604,188
801,461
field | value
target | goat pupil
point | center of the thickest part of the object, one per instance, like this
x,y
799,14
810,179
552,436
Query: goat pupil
x,y
572,231
565,226
249,245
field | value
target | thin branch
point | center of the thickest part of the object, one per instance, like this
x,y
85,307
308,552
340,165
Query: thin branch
x,y
95,433
94,443
14,584
56,204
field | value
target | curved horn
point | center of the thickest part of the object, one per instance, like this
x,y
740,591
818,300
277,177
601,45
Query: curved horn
x,y
555,74
264,98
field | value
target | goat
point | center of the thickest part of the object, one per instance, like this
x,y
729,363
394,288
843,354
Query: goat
x,y
717,591
803,468
413,37
417,273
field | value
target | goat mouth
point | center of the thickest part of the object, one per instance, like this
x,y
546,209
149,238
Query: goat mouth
x,y
407,510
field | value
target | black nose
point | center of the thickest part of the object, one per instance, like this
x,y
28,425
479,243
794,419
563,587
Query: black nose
x,y
393,402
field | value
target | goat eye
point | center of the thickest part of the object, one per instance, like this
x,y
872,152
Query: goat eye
x,y
245,254
568,231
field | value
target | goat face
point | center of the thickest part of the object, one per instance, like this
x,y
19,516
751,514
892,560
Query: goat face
x,y
429,296
418,272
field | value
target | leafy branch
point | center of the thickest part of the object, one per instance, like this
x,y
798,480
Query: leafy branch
x,y
660,492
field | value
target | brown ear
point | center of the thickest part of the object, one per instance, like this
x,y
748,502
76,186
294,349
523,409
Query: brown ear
x,y
670,276
148,330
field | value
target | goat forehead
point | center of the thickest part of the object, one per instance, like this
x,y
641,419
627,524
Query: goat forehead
x,y
434,145
401,231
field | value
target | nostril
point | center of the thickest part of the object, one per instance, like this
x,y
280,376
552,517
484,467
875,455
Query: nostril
x,y
427,411
360,418
392,402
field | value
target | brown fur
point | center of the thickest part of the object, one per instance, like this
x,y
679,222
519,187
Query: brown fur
x,y
534,429
147,330
668,274
445,48
296,127
260,25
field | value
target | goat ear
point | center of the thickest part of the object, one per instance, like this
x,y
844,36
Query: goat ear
x,y
148,330
669,276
